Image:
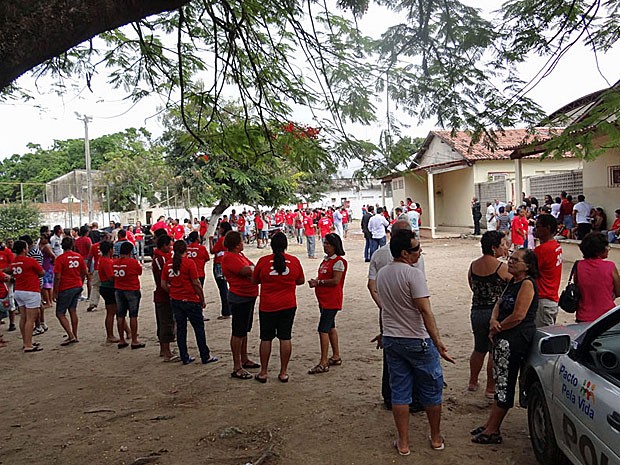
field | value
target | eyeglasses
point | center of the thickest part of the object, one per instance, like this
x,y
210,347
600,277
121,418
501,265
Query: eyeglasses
x,y
514,260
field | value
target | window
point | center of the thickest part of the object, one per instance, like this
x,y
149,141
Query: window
x,y
497,176
614,176
388,189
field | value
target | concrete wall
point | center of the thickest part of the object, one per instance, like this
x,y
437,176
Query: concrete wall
x,y
596,183
530,167
453,193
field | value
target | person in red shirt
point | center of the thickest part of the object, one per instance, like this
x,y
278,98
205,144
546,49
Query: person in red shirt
x,y
26,271
279,218
180,279
242,293
106,288
345,220
4,299
278,275
519,229
82,246
290,219
310,233
549,254
6,258
160,224
92,262
259,224
325,225
161,298
241,226
198,254
218,250
328,287
69,275
139,235
204,226
177,230
127,273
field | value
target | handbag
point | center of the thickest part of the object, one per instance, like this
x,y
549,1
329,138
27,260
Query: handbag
x,y
569,298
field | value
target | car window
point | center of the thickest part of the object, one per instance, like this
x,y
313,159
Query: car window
x,y
603,355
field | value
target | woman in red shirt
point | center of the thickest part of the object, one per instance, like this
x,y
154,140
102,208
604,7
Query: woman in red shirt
x,y
242,293
180,279
127,273
26,271
218,250
278,274
328,287
139,238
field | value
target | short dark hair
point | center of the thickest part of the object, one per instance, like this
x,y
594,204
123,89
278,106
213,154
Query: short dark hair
x,y
163,239
192,237
225,227
122,233
334,240
160,232
84,230
19,247
549,222
581,197
105,247
126,248
489,240
401,240
593,245
27,239
232,239
502,209
67,243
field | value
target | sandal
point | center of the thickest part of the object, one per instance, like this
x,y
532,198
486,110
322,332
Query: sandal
x,y
174,358
334,362
493,438
33,349
122,345
68,341
441,447
318,369
259,379
400,452
241,374
478,430
283,379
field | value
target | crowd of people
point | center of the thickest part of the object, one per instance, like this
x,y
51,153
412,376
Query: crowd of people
x,y
512,294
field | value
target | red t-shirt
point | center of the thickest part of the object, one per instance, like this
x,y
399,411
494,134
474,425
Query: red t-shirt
x,y
158,225
4,291
231,266
519,223
178,232
71,268
139,234
95,255
127,273
566,209
130,237
330,297
241,224
309,227
83,245
199,255
180,283
616,225
106,273
549,256
6,257
203,228
277,291
219,250
290,217
325,225
26,273
345,216
159,263
279,217
258,221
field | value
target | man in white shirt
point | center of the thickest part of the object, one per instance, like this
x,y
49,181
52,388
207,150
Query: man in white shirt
x,y
56,240
377,226
411,340
581,217
414,220
337,219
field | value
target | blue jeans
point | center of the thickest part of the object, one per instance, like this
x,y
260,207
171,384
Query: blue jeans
x,y
191,311
414,368
140,247
376,244
367,249
310,242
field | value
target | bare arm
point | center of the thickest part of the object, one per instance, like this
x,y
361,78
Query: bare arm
x,y
522,304
469,278
503,272
300,279
423,305
616,283
198,290
246,272
164,285
372,288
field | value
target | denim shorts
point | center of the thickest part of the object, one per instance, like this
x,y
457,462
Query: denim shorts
x,y
327,321
127,301
67,300
414,368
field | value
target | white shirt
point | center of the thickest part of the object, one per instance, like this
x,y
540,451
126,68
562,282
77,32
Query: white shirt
x,y
555,210
377,225
337,217
583,212
497,205
414,219
490,213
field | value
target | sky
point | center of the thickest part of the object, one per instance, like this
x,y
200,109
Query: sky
x,y
51,117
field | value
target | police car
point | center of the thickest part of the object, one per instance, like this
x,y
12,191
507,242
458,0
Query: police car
x,y
572,386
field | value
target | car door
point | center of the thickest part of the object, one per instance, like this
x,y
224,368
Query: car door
x,y
587,390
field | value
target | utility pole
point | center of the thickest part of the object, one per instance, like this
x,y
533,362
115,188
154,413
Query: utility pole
x,y
89,178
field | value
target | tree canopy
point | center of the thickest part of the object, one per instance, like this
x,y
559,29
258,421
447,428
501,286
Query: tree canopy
x,y
445,61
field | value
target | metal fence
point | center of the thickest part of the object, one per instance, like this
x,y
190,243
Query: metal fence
x,y
553,184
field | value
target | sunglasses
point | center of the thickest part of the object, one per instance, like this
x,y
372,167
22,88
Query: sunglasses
x,y
414,249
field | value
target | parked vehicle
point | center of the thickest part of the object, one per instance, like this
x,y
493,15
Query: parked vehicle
x,y
572,384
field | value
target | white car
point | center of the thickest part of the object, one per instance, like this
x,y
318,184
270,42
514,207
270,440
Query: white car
x,y
572,386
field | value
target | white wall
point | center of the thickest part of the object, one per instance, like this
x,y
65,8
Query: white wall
x,y
596,183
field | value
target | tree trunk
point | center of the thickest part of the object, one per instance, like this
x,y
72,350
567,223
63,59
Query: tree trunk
x,y
215,214
33,31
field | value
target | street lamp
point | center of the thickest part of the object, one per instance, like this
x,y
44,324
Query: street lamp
x,y
89,179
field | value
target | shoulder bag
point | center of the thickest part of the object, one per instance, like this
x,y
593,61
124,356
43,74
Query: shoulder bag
x,y
569,298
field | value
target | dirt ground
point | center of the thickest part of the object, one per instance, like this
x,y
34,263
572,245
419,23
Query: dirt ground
x,y
92,403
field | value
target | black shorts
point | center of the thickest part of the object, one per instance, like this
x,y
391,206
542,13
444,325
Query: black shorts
x,y
127,302
242,310
108,295
165,322
480,319
68,300
328,320
276,324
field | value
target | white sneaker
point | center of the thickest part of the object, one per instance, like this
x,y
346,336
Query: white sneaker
x,y
83,298
44,327
38,331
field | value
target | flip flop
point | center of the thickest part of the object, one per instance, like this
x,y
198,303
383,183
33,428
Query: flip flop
x,y
259,379
68,341
189,360
250,365
210,360
241,374
142,345
478,430
400,452
493,438
122,345
34,349
174,358
442,447
283,379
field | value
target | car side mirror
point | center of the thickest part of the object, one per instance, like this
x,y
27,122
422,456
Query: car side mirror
x,y
555,345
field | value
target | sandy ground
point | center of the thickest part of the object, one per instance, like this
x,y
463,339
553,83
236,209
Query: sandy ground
x,y
92,403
